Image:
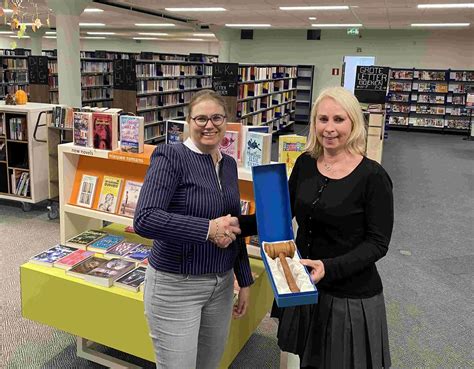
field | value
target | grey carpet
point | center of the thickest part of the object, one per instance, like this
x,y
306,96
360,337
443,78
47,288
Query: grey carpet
x,y
427,273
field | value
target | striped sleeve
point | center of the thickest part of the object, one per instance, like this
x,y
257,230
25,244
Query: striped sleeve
x,y
152,220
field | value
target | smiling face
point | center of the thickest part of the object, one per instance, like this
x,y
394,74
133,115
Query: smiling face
x,y
333,125
206,138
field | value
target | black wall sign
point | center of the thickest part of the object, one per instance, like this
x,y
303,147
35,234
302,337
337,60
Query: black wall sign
x,y
38,70
371,84
125,77
224,78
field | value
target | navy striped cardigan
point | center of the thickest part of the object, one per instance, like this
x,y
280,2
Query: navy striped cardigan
x,y
181,193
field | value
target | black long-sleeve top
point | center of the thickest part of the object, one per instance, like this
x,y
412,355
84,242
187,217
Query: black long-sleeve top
x,y
347,223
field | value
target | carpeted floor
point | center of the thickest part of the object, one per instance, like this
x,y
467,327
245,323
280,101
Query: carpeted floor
x,y
427,274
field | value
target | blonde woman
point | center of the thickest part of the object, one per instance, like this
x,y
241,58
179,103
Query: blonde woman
x,y
343,204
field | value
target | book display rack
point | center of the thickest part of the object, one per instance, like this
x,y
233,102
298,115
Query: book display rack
x,y
429,99
23,160
50,296
14,71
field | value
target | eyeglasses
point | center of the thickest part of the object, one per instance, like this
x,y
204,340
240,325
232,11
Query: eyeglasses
x,y
216,119
320,191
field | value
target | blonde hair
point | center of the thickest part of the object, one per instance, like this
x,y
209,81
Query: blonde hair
x,y
204,95
356,142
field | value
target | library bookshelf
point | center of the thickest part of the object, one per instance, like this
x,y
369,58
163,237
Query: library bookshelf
x,y
23,155
304,93
51,297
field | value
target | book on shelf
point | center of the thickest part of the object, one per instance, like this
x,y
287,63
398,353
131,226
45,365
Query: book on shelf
x,y
132,131
82,129
50,256
63,116
74,258
20,182
105,128
230,144
86,194
257,149
138,254
236,127
133,280
289,148
120,249
130,195
245,130
176,131
244,207
102,245
84,267
85,238
3,149
3,130
109,194
106,273
18,129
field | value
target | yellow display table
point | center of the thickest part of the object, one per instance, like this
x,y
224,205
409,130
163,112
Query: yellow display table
x,y
115,317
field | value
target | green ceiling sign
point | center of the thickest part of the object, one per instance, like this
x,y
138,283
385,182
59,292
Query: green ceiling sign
x,y
353,31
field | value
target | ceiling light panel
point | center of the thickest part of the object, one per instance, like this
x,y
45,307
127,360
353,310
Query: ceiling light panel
x,y
332,7
445,6
93,10
203,9
155,25
91,24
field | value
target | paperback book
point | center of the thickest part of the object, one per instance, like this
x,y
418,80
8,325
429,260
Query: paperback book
x,y
109,194
130,196
120,249
177,131
133,280
106,273
132,132
103,244
85,238
105,131
289,148
85,197
81,269
74,258
82,129
52,255
257,149
139,254
230,144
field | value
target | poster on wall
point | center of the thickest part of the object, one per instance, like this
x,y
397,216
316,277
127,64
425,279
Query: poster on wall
x,y
371,84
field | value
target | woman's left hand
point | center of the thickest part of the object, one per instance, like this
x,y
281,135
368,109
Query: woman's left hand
x,y
317,266
242,303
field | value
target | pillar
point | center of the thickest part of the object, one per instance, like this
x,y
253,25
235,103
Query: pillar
x,y
36,40
68,45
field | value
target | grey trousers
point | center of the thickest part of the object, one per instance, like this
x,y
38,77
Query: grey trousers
x,y
188,317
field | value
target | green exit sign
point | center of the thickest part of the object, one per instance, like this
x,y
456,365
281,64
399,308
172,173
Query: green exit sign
x,y
353,31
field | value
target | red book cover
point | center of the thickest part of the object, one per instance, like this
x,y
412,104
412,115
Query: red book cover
x,y
105,131
73,259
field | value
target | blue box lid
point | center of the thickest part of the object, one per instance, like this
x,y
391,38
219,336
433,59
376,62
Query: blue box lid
x,y
272,202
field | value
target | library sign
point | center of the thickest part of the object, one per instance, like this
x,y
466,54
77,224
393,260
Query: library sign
x,y
371,84
225,77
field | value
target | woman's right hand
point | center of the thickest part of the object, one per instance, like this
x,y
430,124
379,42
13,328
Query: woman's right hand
x,y
223,230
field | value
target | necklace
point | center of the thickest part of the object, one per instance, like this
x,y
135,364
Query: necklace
x,y
327,166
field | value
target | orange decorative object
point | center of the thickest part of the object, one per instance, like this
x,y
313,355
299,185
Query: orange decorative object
x,y
21,97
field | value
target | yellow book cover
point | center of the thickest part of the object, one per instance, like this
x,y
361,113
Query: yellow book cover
x,y
109,194
289,148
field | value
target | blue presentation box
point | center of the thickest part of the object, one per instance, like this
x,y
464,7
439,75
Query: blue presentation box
x,y
274,222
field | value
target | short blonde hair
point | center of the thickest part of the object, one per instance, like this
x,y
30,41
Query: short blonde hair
x,y
204,95
356,142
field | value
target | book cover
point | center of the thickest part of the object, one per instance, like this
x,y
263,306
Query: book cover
x,y
230,144
236,127
130,195
257,149
132,132
86,193
107,272
82,129
105,131
176,131
133,280
73,259
109,194
138,254
81,269
53,254
120,249
85,238
3,150
289,148
105,243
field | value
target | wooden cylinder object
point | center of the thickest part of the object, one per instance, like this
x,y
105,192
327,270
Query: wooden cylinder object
x,y
283,250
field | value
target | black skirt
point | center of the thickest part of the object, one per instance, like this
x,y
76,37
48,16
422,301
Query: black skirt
x,y
336,332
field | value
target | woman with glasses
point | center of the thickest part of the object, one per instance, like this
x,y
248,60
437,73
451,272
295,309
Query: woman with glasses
x,y
343,205
188,206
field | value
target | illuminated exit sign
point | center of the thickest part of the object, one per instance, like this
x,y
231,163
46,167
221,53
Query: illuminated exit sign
x,y
353,31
